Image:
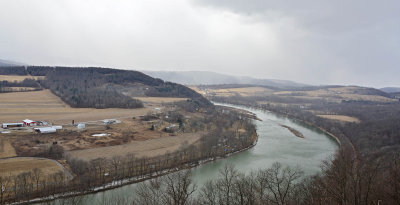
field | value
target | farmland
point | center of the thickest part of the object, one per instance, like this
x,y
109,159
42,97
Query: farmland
x,y
243,91
342,118
6,150
45,106
331,94
18,78
15,166
160,100
147,148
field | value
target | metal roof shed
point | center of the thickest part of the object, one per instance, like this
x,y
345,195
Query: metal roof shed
x,y
46,129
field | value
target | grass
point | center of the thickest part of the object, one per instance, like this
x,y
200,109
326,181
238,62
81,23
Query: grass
x,y
335,94
245,91
45,106
6,150
160,99
342,118
18,78
146,148
15,166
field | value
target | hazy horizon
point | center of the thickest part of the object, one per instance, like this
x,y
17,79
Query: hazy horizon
x,y
311,42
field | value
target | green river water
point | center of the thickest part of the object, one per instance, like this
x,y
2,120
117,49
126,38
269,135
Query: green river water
x,y
275,143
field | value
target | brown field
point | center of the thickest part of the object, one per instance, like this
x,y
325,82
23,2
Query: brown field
x,y
147,148
198,90
15,166
18,78
245,91
335,94
160,99
6,150
342,118
45,106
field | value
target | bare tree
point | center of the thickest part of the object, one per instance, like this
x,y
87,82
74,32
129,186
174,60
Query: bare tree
x,y
149,193
178,188
393,181
225,184
37,176
4,185
281,183
208,194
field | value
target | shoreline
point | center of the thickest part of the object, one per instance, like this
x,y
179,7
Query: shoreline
x,y
334,137
133,180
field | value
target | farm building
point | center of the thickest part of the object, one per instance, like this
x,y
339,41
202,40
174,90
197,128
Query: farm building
x,y
9,125
81,126
45,129
172,129
28,122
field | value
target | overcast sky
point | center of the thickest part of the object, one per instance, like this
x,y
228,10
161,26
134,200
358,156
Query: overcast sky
x,y
315,42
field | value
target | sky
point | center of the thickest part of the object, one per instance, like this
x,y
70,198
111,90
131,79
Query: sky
x,y
315,42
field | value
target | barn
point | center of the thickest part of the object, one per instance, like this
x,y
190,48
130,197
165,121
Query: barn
x,y
28,122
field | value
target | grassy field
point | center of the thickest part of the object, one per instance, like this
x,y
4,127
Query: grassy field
x,y
6,150
159,99
342,118
146,148
18,78
15,166
336,94
245,91
45,106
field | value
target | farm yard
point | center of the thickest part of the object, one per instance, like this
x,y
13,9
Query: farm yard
x,y
100,138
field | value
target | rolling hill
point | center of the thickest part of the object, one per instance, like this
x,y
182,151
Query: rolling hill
x,y
94,87
390,89
211,78
4,63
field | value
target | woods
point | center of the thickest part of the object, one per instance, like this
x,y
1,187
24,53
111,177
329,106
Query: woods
x,y
103,87
344,180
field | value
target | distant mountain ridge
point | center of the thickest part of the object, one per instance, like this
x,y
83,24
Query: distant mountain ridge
x,y
212,78
5,63
391,89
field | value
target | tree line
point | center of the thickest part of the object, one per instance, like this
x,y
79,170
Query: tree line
x,y
342,180
5,86
223,137
94,87
377,133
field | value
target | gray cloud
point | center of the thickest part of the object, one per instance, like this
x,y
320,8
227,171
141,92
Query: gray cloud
x,y
319,42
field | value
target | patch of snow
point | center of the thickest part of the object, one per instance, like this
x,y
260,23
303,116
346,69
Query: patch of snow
x,y
101,135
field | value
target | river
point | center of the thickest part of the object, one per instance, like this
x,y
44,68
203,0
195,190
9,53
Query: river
x,y
275,143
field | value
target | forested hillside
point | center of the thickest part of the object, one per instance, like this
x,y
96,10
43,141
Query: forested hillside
x,y
103,87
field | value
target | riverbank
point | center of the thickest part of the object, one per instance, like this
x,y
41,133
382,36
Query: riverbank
x,y
133,180
333,136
